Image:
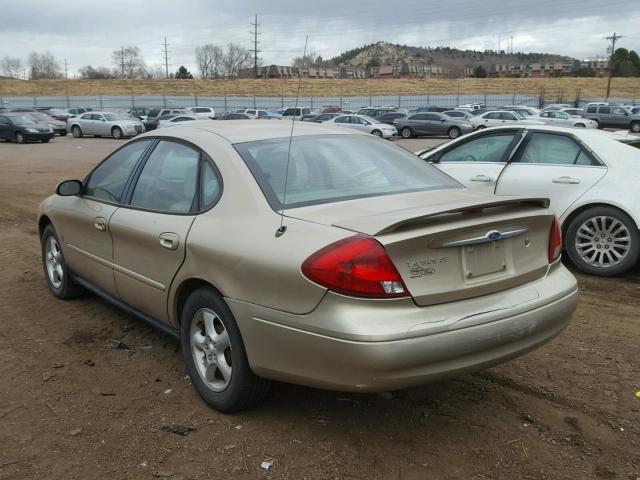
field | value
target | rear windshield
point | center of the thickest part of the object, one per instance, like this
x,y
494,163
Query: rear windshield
x,y
333,168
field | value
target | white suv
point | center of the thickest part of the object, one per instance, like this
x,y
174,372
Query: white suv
x,y
204,113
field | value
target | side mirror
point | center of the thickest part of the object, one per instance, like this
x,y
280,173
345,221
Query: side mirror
x,y
442,120
69,188
102,120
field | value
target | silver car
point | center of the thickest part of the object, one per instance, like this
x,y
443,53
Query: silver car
x,y
562,119
365,124
105,124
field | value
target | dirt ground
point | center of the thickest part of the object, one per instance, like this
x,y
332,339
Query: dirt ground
x,y
88,392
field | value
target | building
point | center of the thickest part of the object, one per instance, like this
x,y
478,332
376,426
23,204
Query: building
x,y
598,65
532,70
405,70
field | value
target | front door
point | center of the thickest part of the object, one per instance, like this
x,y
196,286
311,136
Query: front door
x,y
477,163
150,233
83,224
551,165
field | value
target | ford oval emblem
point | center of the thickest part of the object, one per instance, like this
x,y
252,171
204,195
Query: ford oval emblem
x,y
494,235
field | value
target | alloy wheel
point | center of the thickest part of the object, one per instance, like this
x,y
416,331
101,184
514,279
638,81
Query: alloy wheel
x,y
54,262
211,349
603,241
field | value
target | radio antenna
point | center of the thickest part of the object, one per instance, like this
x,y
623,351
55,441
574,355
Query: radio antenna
x,y
283,228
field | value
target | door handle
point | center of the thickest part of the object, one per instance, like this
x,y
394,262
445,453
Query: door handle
x,y
482,178
566,180
100,224
168,240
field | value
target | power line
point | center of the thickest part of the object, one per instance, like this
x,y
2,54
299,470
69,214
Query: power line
x,y
613,39
165,50
255,50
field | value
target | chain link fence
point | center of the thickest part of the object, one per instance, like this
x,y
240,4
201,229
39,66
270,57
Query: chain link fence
x,y
224,103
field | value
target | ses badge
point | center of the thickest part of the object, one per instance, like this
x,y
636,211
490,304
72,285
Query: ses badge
x,y
424,267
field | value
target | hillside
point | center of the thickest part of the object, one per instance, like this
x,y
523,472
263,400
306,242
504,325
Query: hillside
x,y
553,87
384,53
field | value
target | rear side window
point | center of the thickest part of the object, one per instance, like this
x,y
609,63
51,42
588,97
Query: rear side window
x,y
486,149
546,148
154,112
168,181
332,168
211,187
605,110
108,180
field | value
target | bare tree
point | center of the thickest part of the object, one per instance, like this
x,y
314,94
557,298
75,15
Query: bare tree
x,y
129,62
235,58
311,59
43,66
11,67
209,58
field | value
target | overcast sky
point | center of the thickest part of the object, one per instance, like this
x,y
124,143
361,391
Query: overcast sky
x,y
85,32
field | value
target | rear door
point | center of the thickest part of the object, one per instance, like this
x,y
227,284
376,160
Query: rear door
x,y
552,165
150,233
478,162
87,124
5,128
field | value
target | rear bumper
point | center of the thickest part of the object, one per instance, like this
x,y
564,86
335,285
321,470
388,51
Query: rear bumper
x,y
279,350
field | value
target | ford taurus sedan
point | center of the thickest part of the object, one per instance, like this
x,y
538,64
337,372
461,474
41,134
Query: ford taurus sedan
x,y
329,258
590,176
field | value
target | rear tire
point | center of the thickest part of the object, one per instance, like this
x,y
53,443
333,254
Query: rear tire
x,y
46,140
55,269
215,355
63,134
454,132
598,234
480,127
377,133
580,125
76,131
20,138
406,132
635,127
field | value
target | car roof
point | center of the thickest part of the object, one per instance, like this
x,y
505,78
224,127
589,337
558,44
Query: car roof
x,y
253,130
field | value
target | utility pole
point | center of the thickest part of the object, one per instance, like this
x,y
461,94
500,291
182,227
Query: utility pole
x,y
122,61
255,50
166,57
66,76
614,38
511,38
498,43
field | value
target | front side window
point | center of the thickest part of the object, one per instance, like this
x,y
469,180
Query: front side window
x,y
332,168
168,180
592,109
619,111
547,148
108,180
342,120
487,149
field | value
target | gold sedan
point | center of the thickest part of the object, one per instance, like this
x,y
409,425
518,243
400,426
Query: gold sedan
x,y
330,258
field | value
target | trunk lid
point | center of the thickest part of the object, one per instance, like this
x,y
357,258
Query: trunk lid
x,y
453,244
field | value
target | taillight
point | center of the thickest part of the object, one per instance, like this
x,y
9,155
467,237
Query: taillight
x,y
357,266
555,241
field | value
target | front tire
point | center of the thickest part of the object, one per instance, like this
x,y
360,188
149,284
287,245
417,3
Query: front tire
x,y
46,140
20,138
63,134
480,127
603,241
406,132
580,125
76,131
55,269
377,133
116,132
635,127
215,356
454,132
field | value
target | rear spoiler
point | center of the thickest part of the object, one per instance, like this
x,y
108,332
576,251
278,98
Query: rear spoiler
x,y
390,221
